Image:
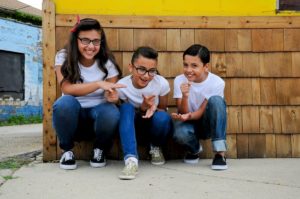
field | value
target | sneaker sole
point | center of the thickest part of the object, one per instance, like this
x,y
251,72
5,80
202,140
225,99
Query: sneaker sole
x,y
125,177
217,167
158,163
121,177
195,161
68,167
97,165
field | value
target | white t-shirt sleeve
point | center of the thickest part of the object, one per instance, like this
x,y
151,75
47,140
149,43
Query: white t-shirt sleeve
x,y
177,91
217,90
121,93
60,57
165,87
111,69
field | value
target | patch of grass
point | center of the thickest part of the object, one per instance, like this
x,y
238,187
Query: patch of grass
x,y
13,163
8,177
21,119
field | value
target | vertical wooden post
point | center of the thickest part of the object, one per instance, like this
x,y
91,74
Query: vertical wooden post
x,y
49,80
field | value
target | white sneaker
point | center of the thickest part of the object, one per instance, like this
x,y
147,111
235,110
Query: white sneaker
x,y
157,157
130,170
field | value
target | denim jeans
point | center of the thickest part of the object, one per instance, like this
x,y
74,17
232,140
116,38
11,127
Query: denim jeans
x,y
212,125
72,122
156,129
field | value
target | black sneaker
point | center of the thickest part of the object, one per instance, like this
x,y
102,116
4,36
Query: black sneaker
x,y
219,163
67,161
191,158
98,159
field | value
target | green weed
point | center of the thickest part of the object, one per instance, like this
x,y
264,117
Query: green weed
x,y
20,119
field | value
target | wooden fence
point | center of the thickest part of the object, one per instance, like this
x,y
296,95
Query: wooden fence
x,y
258,57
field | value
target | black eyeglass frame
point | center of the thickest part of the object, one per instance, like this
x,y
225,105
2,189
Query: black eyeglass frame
x,y
87,41
141,70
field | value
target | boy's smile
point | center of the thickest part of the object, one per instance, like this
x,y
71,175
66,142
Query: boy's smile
x,y
141,65
193,69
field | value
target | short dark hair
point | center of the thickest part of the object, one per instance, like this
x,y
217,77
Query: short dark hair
x,y
144,51
198,50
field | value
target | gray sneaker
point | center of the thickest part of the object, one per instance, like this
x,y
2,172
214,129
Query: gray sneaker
x,y
157,157
130,171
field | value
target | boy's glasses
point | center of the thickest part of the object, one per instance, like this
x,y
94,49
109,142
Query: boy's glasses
x,y
86,41
142,71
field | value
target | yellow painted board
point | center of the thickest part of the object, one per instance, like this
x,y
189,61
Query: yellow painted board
x,y
171,7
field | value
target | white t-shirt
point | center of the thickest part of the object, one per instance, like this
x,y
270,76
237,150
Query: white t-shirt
x,y
211,86
158,86
90,74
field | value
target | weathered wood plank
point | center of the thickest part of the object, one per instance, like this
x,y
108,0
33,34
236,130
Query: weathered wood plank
x,y
250,119
287,91
257,145
296,64
296,145
49,81
232,146
270,146
242,144
125,63
266,40
213,39
283,146
187,38
173,40
155,38
268,91
185,21
238,40
241,91
290,117
266,119
234,120
292,39
277,64
126,39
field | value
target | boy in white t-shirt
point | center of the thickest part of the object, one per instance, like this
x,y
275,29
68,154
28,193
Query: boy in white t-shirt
x,y
201,107
144,110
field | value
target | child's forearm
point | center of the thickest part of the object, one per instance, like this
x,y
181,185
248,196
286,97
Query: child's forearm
x,y
183,107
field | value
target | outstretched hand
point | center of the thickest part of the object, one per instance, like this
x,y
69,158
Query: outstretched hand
x,y
108,86
182,117
150,111
148,105
111,96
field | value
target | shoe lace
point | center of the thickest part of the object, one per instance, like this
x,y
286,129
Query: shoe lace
x,y
68,155
98,154
130,167
155,151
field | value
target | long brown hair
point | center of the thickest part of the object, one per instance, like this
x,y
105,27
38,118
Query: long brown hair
x,y
70,69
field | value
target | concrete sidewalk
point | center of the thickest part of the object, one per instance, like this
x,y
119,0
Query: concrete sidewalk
x,y
20,139
245,178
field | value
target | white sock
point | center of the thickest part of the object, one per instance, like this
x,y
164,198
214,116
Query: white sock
x,y
133,159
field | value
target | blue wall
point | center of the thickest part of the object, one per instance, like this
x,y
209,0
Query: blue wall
x,y
24,38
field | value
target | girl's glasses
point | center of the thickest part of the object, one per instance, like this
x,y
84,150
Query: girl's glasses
x,y
86,41
142,71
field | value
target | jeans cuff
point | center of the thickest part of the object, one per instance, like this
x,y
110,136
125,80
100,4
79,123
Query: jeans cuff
x,y
130,155
219,145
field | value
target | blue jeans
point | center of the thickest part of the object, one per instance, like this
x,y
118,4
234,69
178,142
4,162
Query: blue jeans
x,y
74,123
212,125
156,129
